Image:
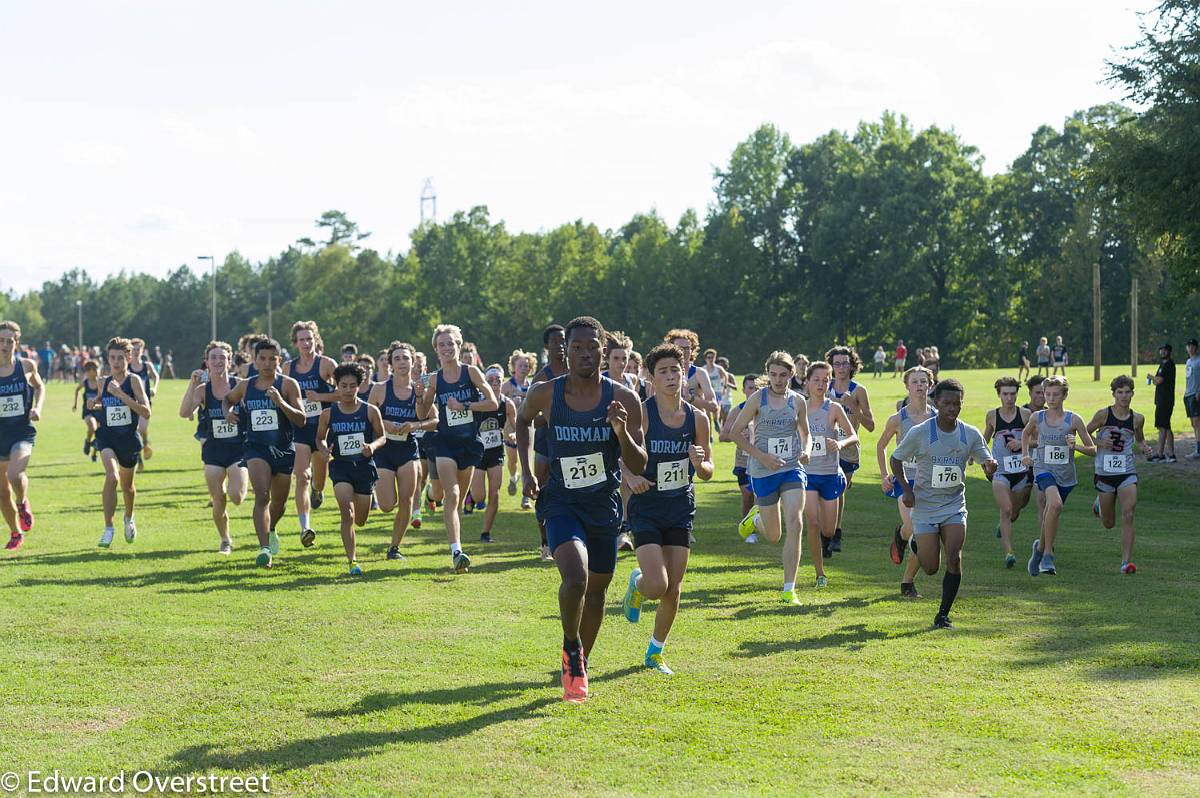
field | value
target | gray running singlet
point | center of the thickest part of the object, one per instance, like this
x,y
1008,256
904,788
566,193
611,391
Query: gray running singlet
x,y
907,422
941,465
1054,457
822,459
775,432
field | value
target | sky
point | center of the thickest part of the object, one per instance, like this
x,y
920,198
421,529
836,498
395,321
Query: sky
x,y
140,135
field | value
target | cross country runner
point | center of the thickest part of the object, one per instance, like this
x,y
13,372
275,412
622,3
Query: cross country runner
x,y
1117,428
1055,429
779,449
89,384
313,372
554,341
21,396
520,365
494,433
121,397
699,389
941,447
271,407
663,503
356,430
914,410
221,451
831,433
740,458
592,423
857,404
1013,482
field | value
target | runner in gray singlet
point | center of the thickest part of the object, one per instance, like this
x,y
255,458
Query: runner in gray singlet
x,y
1055,430
941,446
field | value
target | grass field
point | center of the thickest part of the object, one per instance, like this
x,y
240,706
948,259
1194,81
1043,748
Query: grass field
x,y
164,656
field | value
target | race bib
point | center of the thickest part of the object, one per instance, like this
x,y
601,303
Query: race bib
x,y
672,474
118,415
818,446
1115,463
264,420
456,418
910,469
946,476
780,447
1011,464
1056,455
351,444
491,438
12,406
312,409
583,471
224,429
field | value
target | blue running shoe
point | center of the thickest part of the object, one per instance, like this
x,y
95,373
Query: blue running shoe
x,y
633,599
1035,559
1046,566
354,569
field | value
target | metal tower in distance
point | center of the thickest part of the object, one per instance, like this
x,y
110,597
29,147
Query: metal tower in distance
x,y
428,199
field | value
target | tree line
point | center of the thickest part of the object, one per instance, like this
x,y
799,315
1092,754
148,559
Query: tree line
x,y
864,236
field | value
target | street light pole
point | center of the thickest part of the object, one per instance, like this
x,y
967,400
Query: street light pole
x,y
79,313
212,262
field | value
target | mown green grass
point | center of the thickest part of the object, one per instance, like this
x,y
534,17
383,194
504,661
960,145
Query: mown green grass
x,y
410,681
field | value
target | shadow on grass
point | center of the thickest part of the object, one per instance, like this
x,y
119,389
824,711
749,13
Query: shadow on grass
x,y
304,753
851,638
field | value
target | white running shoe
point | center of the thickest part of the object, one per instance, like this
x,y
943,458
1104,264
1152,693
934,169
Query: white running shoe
x,y
107,538
752,537
130,530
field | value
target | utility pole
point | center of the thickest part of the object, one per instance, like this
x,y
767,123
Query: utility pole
x,y
1133,326
1096,321
212,261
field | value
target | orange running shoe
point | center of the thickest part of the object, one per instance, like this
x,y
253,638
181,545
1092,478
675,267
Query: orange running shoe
x,y
574,675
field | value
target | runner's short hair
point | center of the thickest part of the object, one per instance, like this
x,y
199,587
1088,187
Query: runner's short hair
x,y
12,326
1121,381
452,330
635,356
849,351
662,352
946,386
813,366
354,369
350,349
550,330
618,340
518,355
917,370
122,344
780,358
397,345
581,322
710,351
312,327
218,345
1007,382
267,343
1057,381
496,367
1034,381
138,342
91,365
686,334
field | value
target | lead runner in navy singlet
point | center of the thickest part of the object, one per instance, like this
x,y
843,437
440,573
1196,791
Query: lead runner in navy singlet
x,y
592,422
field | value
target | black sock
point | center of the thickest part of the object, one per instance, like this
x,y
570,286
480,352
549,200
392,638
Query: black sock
x,y
904,586
950,583
572,645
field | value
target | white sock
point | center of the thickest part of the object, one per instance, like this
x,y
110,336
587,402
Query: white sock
x,y
128,518
789,586
303,517
657,643
758,523
455,548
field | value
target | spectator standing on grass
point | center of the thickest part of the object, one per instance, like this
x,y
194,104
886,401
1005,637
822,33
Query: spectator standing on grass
x,y
1164,405
45,361
901,357
880,360
1191,392
168,369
